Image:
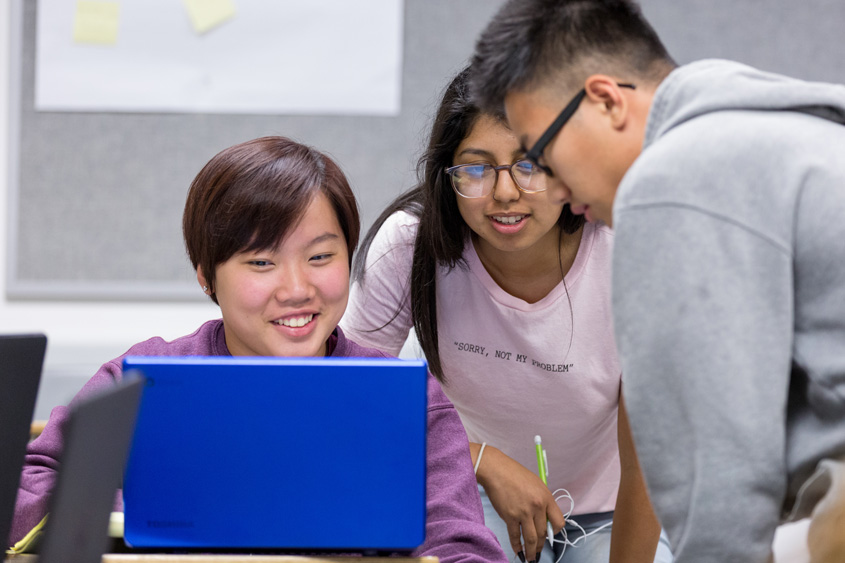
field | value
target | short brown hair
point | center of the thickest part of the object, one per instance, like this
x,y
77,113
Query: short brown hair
x,y
249,196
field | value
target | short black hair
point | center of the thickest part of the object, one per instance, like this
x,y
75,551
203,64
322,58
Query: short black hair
x,y
533,43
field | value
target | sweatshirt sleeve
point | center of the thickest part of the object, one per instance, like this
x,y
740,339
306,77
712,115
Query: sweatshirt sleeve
x,y
43,455
455,530
378,314
703,317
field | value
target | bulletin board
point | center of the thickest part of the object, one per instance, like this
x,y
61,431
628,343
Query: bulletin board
x,y
95,198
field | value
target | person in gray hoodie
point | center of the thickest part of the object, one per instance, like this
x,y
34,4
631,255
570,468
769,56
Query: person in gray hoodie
x,y
725,187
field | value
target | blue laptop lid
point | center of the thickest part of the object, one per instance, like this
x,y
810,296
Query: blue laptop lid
x,y
278,453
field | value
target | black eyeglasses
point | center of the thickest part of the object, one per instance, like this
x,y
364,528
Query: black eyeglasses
x,y
537,150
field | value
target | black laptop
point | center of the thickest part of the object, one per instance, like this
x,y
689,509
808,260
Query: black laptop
x,y
97,443
21,361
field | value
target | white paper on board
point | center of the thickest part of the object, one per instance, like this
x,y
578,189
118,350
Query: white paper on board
x,y
279,57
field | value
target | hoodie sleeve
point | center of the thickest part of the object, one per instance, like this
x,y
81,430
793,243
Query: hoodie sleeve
x,y
703,318
455,530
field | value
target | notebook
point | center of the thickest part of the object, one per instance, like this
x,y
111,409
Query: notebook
x,y
21,361
278,454
96,445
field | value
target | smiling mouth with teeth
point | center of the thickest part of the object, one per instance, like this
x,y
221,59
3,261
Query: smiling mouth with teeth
x,y
295,322
509,220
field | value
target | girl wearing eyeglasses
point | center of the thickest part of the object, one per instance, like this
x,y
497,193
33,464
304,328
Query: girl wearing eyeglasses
x,y
508,293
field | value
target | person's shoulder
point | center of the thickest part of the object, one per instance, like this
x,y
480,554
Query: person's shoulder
x,y
347,348
598,230
394,241
437,399
400,228
403,219
597,237
201,342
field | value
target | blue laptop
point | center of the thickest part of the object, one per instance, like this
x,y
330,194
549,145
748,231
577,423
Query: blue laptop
x,y
278,454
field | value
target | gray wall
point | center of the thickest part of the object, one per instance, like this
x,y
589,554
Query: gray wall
x,y
97,198
803,39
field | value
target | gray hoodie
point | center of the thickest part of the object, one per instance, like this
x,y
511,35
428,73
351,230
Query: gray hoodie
x,y
729,302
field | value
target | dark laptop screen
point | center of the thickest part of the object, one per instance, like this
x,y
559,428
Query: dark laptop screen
x,y
21,361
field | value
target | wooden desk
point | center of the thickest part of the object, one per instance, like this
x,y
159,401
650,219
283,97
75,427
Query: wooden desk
x,y
161,558
36,428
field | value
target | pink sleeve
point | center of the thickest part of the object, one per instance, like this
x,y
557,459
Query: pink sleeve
x,y
378,314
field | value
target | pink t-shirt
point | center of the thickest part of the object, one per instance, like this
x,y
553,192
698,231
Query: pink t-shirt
x,y
514,369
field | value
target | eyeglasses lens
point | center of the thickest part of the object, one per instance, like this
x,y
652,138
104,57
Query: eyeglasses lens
x,y
478,180
473,180
528,176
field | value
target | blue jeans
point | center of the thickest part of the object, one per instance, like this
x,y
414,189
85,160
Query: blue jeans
x,y
595,548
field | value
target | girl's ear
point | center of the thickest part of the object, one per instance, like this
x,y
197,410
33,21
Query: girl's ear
x,y
203,282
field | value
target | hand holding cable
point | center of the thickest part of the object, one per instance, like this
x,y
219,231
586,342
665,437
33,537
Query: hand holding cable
x,y
522,500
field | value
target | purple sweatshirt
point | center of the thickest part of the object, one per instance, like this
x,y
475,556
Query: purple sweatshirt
x,y
455,529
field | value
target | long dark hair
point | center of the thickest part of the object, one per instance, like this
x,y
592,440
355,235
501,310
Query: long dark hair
x,y
442,232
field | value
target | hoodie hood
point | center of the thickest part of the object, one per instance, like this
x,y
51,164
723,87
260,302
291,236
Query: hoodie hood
x,y
713,85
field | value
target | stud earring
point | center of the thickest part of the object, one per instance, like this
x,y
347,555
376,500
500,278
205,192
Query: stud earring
x,y
205,289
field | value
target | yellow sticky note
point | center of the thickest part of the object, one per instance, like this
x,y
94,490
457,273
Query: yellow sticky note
x,y
207,14
96,22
